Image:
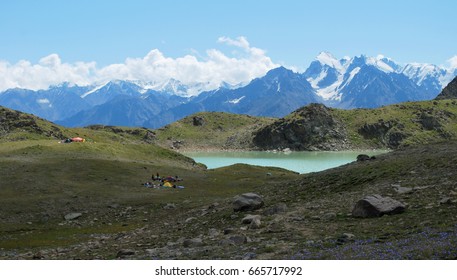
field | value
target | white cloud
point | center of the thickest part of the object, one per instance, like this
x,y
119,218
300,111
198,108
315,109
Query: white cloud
x,y
453,62
212,69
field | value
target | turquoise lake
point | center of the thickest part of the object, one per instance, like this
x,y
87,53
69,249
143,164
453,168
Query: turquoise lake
x,y
301,162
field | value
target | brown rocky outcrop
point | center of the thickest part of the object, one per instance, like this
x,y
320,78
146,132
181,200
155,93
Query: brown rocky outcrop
x,y
313,127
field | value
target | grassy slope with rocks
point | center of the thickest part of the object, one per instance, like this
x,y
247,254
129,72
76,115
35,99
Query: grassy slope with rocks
x,y
304,217
42,180
211,131
317,128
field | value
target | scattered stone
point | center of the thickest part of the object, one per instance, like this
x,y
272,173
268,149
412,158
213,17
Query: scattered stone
x,y
72,216
198,121
169,206
188,220
344,238
255,224
250,218
247,202
329,216
376,206
276,209
363,157
238,239
446,200
228,230
249,256
348,236
212,232
194,242
402,190
125,252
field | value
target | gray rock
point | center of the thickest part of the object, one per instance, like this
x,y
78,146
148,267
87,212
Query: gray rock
x,y
255,224
276,209
363,157
345,237
72,216
376,206
249,256
250,218
446,200
189,220
169,206
194,242
247,202
228,230
238,239
124,252
329,216
402,190
212,232
198,121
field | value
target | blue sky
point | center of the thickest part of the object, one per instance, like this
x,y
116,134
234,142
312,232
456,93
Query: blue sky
x,y
290,33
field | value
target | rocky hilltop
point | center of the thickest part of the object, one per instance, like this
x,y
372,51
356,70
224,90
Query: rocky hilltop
x,y
449,92
313,127
15,125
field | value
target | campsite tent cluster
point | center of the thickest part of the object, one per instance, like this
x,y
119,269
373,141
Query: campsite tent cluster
x,y
166,182
74,139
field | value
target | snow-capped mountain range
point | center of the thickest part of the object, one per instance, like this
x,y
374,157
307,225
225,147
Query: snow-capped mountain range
x,y
357,82
332,78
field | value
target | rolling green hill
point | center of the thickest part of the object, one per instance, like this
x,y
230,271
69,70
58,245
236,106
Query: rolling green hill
x,y
316,127
211,131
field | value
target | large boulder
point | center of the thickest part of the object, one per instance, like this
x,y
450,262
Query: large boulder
x,y
376,206
247,202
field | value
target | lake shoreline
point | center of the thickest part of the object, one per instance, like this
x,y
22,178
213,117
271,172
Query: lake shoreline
x,y
296,161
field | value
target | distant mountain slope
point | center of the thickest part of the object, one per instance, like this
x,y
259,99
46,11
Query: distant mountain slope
x,y
276,94
357,82
53,104
449,92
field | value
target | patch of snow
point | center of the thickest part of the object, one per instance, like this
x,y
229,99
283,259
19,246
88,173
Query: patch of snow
x,y
93,90
279,88
354,72
378,63
330,92
236,101
315,82
43,101
327,58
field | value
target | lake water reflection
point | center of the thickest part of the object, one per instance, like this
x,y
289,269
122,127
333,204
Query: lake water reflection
x,y
301,162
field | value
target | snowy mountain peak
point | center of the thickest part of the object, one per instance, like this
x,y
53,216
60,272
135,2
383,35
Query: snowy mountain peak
x,y
326,58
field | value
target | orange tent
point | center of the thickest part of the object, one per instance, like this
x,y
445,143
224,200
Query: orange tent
x,y
78,139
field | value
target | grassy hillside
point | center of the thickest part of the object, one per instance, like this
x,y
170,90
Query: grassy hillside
x,y
211,130
317,128
403,124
